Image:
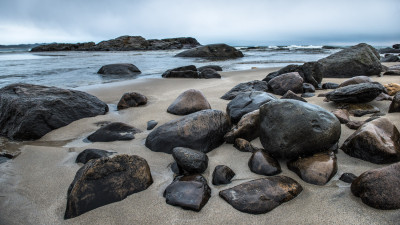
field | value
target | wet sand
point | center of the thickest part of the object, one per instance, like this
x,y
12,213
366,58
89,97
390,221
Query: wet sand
x,y
33,186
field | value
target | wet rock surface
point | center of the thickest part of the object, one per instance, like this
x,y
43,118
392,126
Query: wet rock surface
x,y
209,73
348,177
357,93
222,175
89,154
244,146
119,69
254,85
247,128
114,132
188,102
285,82
354,125
190,160
131,99
213,51
262,163
308,88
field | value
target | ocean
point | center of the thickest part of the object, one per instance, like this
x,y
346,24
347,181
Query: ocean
x,y
72,69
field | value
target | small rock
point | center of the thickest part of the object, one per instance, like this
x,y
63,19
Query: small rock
x,y
392,73
254,85
262,163
244,145
247,128
190,160
390,58
307,95
177,169
114,132
348,177
392,88
131,99
354,125
330,85
308,88
343,115
151,124
222,175
289,81
395,105
89,154
291,95
355,80
188,102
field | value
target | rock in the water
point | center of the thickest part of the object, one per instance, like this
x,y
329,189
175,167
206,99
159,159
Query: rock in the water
x,y
106,180
354,125
182,72
209,73
244,146
317,169
114,132
291,95
119,69
379,188
214,51
254,85
330,85
30,111
262,163
203,131
188,102
377,141
214,67
189,192
356,80
190,160
131,99
308,88
285,82
262,195
343,115
151,124
348,177
247,128
392,88
246,102
89,154
395,105
356,93
290,128
222,175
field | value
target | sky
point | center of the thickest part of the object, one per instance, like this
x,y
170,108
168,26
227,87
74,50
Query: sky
x,y
235,22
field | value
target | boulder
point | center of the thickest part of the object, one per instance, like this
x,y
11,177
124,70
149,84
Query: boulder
x,y
343,115
377,141
172,43
209,73
213,51
291,95
290,129
203,131
151,124
119,69
89,154
131,99
348,177
262,195
395,105
254,85
222,175
356,80
317,169
247,128
392,88
379,188
106,180
189,192
246,102
30,111
390,58
190,160
285,82
244,146
330,85
262,163
188,102
114,132
356,93
182,72
214,67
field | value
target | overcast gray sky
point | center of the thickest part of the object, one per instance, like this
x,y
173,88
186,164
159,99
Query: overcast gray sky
x,y
236,22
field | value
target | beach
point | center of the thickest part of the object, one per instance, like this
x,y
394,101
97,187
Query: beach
x,y
33,186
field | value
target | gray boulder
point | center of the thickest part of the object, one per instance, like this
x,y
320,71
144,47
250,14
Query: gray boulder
x,y
254,85
285,82
390,58
356,93
209,73
119,69
182,72
355,80
214,51
188,102
214,67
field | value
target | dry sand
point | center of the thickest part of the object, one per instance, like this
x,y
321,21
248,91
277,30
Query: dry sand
x,y
33,187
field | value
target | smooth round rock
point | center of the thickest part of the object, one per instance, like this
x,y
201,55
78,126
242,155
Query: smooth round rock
x,y
190,160
222,175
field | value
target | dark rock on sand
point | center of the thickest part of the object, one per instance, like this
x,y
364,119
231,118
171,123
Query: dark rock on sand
x,y
119,69
30,111
247,128
348,177
357,93
317,169
330,85
358,110
203,131
285,82
392,73
390,58
214,67
246,102
190,160
307,95
354,125
262,195
188,102
114,132
151,124
131,99
395,105
106,180
214,51
177,169
89,154
291,95
379,188
377,141
222,175
290,129
254,85
189,192
308,88
182,72
244,146
356,80
343,115
262,163
209,73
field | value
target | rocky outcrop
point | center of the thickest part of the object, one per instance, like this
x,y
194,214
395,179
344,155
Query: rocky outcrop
x,y
131,99
188,102
285,82
247,128
89,154
388,50
262,163
119,69
356,93
106,180
114,132
395,105
222,175
254,85
87,46
214,51
30,111
190,160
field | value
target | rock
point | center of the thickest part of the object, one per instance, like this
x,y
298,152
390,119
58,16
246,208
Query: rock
x,y
348,177
356,93
106,180
390,58
343,115
262,163
317,169
384,97
330,85
395,105
214,51
209,73
285,82
358,109
290,129
392,72
189,192
151,124
244,146
64,47
246,102
131,99
261,195
182,72
308,88
89,154
396,46
222,175
287,69
123,43
188,102
377,141
356,80
379,188
307,95
177,169
247,128
388,50
392,88
254,85
291,95
214,67
190,160
172,43
203,131
114,132
31,111
354,125
119,69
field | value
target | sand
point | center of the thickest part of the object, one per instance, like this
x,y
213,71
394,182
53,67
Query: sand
x,y
33,186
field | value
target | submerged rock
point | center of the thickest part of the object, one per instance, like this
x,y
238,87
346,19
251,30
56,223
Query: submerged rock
x,y
131,99
119,69
254,85
262,163
356,93
188,102
89,154
114,132
247,128
213,51
190,160
222,175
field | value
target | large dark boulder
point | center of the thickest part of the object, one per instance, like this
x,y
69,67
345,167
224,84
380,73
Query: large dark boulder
x,y
192,161
285,82
89,154
379,188
254,85
114,132
119,69
203,131
291,128
188,102
30,111
106,180
262,195
131,99
247,128
214,51
356,93
214,67
396,46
